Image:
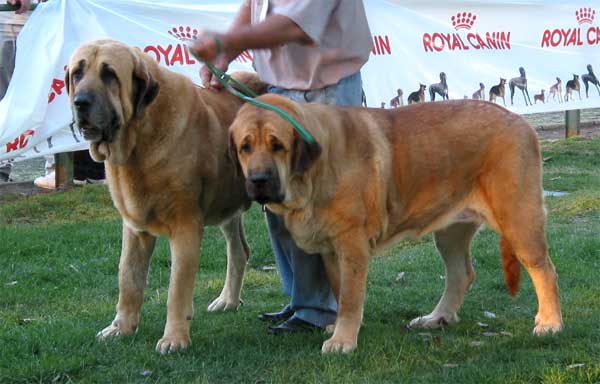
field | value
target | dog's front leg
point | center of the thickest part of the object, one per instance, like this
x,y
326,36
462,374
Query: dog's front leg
x,y
353,259
185,251
238,254
136,251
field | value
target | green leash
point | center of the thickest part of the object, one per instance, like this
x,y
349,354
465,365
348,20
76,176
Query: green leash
x,y
8,7
250,96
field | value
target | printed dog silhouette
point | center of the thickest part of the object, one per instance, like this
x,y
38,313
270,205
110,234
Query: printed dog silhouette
x,y
556,89
397,101
440,88
498,91
480,93
541,97
417,96
590,77
521,83
573,85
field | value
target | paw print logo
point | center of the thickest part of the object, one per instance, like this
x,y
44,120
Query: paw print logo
x,y
184,33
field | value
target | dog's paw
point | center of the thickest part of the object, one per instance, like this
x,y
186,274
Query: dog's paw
x,y
337,345
222,303
170,344
433,321
545,326
116,328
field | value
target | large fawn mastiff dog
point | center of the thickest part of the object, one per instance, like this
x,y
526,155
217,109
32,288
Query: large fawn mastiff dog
x,y
163,141
377,176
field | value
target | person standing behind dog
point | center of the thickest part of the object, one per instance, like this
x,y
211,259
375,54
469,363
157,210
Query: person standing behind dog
x,y
10,26
308,51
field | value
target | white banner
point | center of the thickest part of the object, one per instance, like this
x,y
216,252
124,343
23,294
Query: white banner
x,y
529,42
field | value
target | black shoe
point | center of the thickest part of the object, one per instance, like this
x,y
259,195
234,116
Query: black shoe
x,y
277,317
292,325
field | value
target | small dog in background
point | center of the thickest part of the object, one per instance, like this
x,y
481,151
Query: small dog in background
x,y
590,77
573,85
556,89
480,93
440,88
521,83
417,96
498,91
541,97
397,101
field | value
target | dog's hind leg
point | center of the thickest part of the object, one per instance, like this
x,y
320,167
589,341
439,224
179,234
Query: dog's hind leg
x,y
136,250
453,244
528,241
514,195
238,254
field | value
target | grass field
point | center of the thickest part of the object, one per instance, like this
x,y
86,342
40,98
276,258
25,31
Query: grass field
x,y
58,287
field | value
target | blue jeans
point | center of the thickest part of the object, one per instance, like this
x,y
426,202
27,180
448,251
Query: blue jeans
x,y
303,275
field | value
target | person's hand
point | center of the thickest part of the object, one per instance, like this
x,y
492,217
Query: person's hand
x,y
24,5
208,79
213,48
208,46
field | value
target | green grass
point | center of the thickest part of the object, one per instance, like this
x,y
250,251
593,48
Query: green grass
x,y
58,287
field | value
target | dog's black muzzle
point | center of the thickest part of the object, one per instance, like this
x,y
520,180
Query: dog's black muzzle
x,y
264,187
95,118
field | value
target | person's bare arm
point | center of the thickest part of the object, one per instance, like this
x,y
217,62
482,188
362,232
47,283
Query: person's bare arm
x,y
275,30
242,19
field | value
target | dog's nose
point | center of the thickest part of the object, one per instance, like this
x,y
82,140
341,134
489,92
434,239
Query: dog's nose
x,y
83,100
260,178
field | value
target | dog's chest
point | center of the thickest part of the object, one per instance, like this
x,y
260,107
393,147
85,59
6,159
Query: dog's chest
x,y
308,232
139,208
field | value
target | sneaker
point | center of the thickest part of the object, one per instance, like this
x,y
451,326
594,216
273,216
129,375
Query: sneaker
x,y
89,181
46,182
95,181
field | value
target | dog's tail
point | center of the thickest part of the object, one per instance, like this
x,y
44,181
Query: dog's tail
x,y
250,80
511,267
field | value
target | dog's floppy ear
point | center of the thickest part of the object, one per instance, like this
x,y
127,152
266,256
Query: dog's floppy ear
x,y
231,156
67,82
145,88
304,154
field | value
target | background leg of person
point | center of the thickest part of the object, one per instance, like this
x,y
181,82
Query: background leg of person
x,y
86,170
5,172
48,181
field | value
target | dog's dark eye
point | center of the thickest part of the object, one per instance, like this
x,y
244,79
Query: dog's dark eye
x,y
77,76
276,146
245,148
107,74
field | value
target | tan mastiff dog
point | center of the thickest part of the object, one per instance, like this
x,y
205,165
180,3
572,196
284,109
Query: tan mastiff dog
x,y
163,141
381,175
